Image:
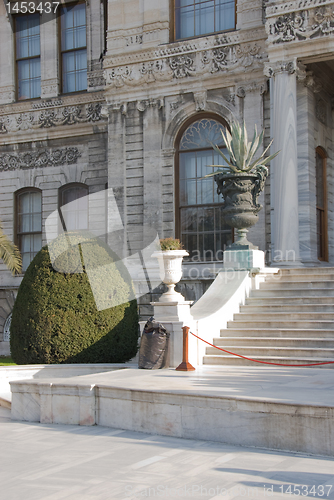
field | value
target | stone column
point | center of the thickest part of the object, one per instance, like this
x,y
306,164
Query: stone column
x,y
283,169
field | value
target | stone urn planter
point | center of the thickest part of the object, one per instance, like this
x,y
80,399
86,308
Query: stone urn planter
x,y
172,265
170,261
240,192
240,181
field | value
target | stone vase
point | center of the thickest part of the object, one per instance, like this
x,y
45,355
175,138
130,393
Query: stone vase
x,y
172,273
240,211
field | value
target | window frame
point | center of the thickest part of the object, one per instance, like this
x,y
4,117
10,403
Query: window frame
x,y
177,205
320,151
61,52
17,234
61,190
16,72
173,37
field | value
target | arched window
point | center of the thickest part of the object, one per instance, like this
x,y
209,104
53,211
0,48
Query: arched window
x,y
202,17
28,224
200,224
73,203
6,328
321,202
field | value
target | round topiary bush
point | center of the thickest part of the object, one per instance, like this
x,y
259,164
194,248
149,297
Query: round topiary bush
x,y
55,317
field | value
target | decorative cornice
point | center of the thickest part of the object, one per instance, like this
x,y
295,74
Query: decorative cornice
x,y
64,100
41,158
171,65
297,21
185,47
277,8
53,117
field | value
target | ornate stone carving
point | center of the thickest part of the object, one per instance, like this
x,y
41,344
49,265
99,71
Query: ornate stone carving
x,y
144,104
134,40
49,88
241,92
218,58
48,118
289,27
230,98
247,54
260,87
323,20
96,79
50,103
173,106
41,158
200,100
200,59
312,82
182,66
271,69
301,20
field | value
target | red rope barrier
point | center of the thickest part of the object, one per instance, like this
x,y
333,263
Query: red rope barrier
x,y
256,360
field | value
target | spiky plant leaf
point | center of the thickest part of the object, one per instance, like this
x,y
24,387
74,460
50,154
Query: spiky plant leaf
x,y
9,253
241,150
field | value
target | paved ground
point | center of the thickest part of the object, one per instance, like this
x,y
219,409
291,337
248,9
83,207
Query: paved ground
x,y
54,462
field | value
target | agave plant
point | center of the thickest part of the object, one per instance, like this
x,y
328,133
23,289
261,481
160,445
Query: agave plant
x,y
242,151
9,253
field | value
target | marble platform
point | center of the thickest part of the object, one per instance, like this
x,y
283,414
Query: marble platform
x,y
271,407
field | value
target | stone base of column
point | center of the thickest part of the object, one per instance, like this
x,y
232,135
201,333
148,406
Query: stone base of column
x,y
244,259
175,315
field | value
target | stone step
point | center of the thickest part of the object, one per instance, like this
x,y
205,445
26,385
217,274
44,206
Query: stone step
x,y
299,300
296,285
306,270
307,324
276,332
284,315
287,278
310,342
294,352
280,360
293,292
276,308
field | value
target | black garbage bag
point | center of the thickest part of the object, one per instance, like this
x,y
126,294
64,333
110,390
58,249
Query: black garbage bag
x,y
154,346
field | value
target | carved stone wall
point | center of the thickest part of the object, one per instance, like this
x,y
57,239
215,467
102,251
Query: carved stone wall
x,y
299,20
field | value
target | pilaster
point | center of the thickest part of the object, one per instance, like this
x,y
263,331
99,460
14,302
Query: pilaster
x,y
50,84
152,167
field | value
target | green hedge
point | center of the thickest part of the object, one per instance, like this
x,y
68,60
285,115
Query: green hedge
x,y
55,318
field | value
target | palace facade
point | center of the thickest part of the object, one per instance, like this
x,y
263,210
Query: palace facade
x,y
129,95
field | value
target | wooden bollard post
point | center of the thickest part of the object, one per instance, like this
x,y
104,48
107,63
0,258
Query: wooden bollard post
x,y
185,366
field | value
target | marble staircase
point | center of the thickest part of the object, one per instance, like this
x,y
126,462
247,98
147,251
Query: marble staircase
x,y
288,320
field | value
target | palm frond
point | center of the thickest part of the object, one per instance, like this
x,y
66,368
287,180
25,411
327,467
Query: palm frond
x,y
9,253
